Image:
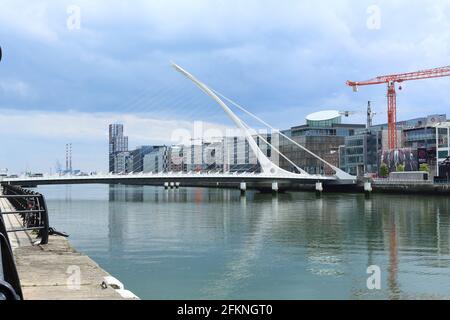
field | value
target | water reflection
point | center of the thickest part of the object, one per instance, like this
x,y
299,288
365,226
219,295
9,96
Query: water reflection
x,y
213,243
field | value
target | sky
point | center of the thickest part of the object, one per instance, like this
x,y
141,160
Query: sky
x,y
70,68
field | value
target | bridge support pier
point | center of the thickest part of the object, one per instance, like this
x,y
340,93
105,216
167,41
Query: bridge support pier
x,y
243,188
319,188
367,188
177,185
275,187
172,185
166,185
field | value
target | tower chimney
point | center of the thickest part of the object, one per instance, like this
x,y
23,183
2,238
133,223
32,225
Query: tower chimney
x,y
67,157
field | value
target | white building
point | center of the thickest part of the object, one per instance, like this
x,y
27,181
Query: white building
x,y
193,157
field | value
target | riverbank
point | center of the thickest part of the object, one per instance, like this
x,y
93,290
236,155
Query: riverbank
x,y
56,270
410,187
386,186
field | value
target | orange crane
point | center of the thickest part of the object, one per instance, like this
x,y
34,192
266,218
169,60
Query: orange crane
x,y
391,80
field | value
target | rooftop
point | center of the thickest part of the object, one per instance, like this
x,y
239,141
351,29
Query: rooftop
x,y
323,115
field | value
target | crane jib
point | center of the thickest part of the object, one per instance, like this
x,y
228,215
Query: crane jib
x,y
390,80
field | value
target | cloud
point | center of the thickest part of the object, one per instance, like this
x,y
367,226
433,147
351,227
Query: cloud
x,y
15,87
280,59
93,127
30,19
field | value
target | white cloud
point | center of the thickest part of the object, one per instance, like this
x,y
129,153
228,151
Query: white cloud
x,y
15,87
27,18
93,127
264,54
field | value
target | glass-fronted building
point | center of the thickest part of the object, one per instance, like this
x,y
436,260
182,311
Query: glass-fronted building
x,y
323,134
138,157
442,134
360,153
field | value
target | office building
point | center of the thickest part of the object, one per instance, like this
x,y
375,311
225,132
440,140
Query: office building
x,y
443,148
416,141
238,156
157,160
117,143
322,134
138,157
176,159
123,162
360,153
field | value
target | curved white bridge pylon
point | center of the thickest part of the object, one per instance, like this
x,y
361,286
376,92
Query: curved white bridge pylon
x,y
267,166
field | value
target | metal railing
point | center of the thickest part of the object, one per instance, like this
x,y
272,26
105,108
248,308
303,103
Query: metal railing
x,y
401,181
442,181
10,288
31,207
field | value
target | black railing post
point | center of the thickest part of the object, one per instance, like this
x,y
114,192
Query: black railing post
x,y
10,286
43,233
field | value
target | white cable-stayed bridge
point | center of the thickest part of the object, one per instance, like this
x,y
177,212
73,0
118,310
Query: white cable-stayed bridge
x,y
271,176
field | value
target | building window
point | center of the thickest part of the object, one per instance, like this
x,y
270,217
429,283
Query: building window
x,y
443,154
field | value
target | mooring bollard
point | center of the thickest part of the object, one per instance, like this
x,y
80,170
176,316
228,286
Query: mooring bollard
x,y
177,185
166,185
172,185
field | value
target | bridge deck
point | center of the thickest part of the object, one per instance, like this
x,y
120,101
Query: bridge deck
x,y
185,179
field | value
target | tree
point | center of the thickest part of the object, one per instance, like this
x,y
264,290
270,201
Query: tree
x,y
401,168
384,170
424,167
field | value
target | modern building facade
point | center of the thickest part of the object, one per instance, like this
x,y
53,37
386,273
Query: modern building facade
x,y
123,162
442,145
157,161
239,157
176,159
323,134
360,153
368,149
194,157
138,157
351,147
117,143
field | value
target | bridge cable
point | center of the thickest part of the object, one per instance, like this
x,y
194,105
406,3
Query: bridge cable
x,y
276,130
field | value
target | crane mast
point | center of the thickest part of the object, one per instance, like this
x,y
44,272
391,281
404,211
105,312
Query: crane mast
x,y
390,81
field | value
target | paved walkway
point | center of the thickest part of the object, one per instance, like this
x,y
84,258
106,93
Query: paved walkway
x,y
14,221
55,271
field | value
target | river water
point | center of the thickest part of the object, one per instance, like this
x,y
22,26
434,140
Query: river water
x,y
195,243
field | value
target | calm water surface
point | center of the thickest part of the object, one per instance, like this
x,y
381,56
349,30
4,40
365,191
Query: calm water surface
x,y
213,244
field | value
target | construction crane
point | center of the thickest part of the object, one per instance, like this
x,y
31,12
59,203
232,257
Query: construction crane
x,y
391,81
370,114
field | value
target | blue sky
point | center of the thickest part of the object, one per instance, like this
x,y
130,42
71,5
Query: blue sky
x,y
280,59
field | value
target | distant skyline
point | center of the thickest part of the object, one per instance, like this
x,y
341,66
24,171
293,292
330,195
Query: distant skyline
x,y
64,79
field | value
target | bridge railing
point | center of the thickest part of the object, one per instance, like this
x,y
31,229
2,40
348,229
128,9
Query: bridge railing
x,y
10,288
401,181
31,207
